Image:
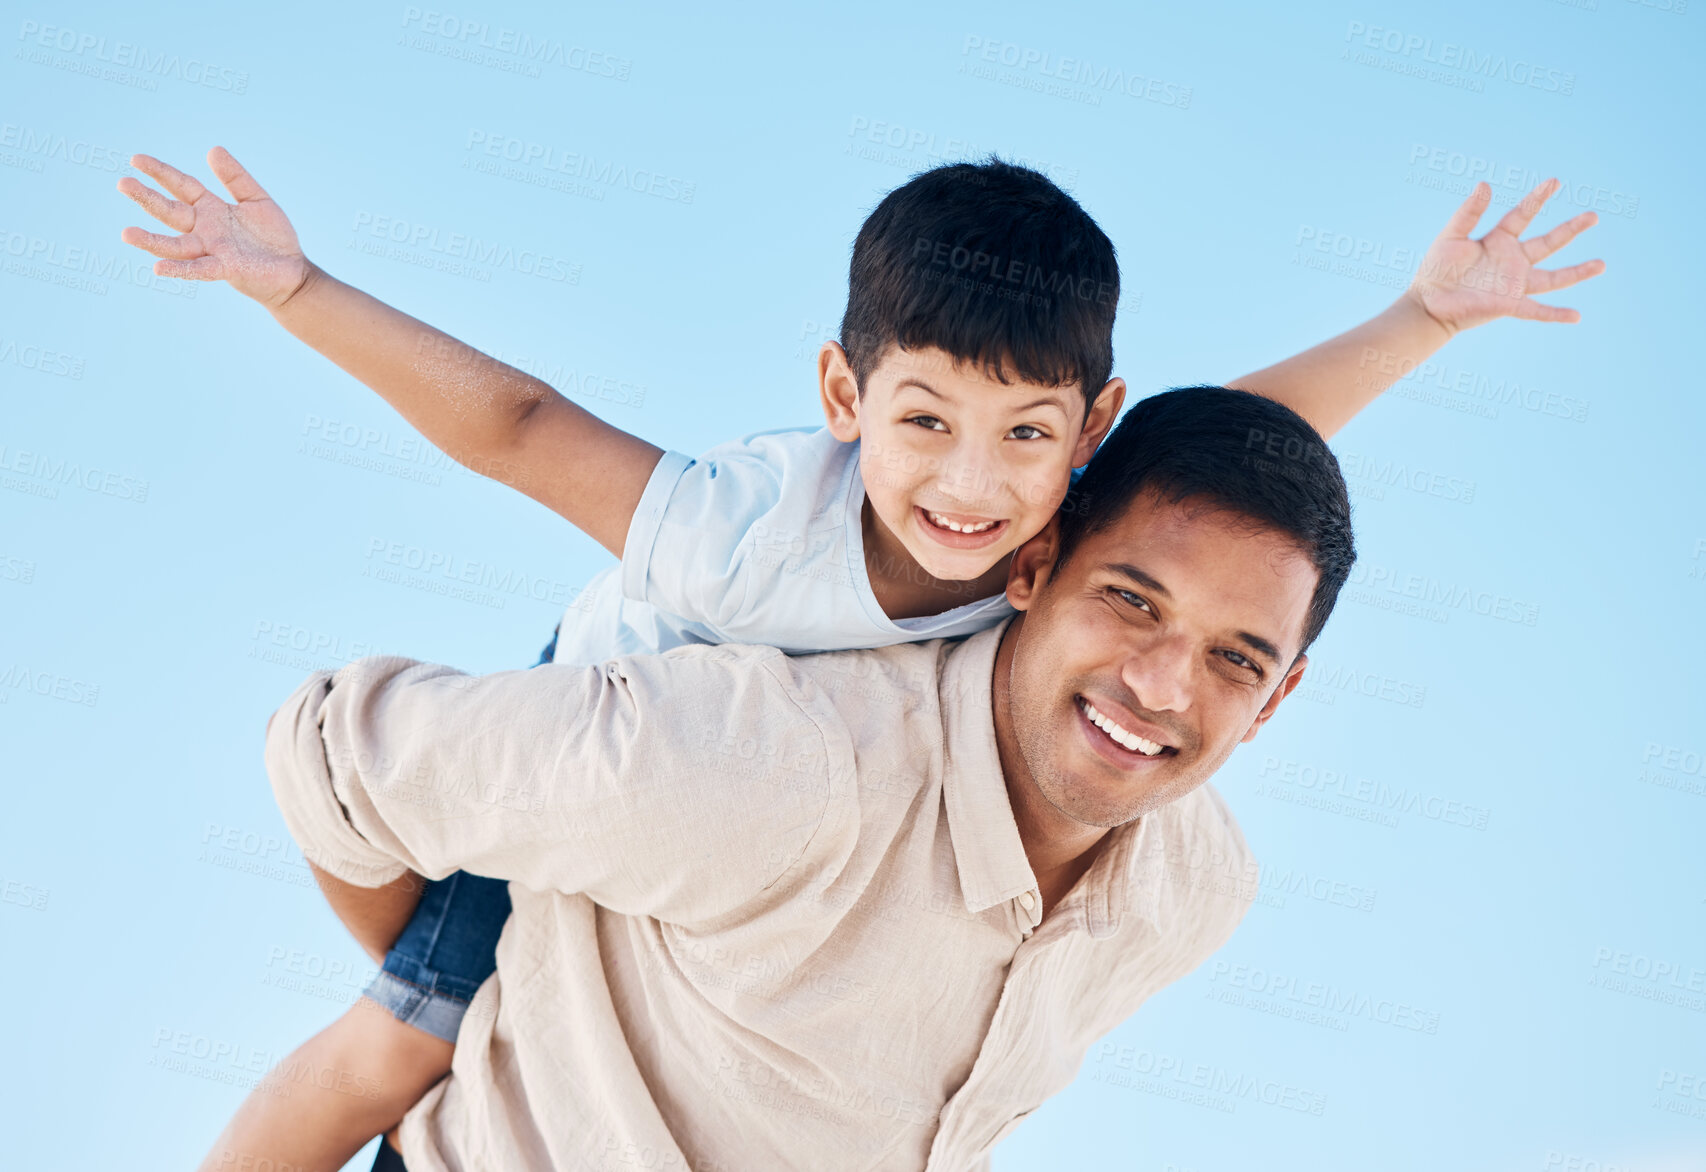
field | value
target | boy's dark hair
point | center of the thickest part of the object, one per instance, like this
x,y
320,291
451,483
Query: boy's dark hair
x,y
1231,449
992,263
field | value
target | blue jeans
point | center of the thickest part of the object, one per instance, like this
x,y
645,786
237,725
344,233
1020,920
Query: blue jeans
x,y
448,948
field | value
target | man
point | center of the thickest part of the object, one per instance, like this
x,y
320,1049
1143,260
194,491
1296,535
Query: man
x,y
861,909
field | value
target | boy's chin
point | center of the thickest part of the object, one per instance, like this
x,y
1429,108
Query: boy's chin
x,y
948,566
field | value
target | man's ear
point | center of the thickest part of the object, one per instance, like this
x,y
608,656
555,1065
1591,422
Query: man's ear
x,y
1292,677
1032,563
1103,412
839,391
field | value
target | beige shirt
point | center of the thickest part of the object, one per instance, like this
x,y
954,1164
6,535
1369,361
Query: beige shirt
x,y
771,912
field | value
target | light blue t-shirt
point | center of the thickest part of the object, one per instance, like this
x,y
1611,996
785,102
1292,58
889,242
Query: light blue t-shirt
x,y
757,541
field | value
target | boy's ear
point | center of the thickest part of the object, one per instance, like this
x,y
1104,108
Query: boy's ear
x,y
1102,414
839,391
1032,563
1293,677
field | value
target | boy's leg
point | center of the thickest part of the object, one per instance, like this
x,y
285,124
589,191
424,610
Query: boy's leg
x,y
348,1083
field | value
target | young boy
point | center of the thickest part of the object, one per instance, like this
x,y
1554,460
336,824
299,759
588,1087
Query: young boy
x,y
972,376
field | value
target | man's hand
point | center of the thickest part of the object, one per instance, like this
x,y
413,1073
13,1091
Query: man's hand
x,y
1463,283
249,244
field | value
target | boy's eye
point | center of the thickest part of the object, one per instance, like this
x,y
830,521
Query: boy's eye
x,y
1035,432
929,422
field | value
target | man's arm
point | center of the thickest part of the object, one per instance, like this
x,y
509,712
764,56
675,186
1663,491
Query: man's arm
x,y
1460,283
615,781
491,417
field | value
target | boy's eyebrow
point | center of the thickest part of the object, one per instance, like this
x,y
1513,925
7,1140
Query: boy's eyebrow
x,y
1256,643
910,381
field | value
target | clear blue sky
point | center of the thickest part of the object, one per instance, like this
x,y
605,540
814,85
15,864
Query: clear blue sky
x,y
1481,831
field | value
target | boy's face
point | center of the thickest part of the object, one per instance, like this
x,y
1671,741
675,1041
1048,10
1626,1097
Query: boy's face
x,y
959,467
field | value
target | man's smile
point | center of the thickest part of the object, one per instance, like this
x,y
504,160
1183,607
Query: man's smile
x,y
1118,740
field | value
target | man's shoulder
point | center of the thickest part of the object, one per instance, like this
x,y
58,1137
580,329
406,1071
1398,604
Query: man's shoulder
x,y
1208,872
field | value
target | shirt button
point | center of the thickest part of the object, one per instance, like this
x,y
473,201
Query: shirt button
x,y
1027,902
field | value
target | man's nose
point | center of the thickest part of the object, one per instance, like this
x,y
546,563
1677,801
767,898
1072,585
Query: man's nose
x,y
1159,673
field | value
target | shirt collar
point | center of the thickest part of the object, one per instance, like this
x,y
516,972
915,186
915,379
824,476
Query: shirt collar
x,y
987,848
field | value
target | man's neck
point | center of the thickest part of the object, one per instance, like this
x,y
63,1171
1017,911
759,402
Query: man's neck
x,y
905,589
1060,849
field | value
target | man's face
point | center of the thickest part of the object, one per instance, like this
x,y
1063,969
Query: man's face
x,y
1137,667
961,468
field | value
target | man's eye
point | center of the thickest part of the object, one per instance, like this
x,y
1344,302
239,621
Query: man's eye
x,y
1035,432
1136,600
1238,660
929,422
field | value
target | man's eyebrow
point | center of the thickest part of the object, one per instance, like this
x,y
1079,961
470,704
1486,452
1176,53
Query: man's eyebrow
x,y
1138,576
1260,646
1256,643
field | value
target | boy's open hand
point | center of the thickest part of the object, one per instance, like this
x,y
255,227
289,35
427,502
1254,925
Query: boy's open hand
x,y
249,243
1463,283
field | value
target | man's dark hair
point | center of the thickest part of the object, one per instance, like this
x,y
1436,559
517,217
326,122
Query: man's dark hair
x,y
992,263
1230,449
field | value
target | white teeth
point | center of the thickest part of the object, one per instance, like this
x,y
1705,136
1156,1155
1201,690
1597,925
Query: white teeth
x,y
938,519
1129,739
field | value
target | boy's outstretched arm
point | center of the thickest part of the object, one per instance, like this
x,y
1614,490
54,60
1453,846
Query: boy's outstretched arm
x,y
1460,283
491,417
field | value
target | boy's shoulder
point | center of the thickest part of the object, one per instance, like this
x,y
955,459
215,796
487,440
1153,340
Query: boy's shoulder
x,y
767,483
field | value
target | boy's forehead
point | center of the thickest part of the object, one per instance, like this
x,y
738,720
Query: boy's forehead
x,y
934,369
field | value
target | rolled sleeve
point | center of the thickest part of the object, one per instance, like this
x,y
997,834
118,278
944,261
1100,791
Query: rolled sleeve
x,y
691,557
302,785
681,786
648,518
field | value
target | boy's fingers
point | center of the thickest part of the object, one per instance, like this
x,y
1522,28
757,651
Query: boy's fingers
x,y
1516,220
168,211
205,268
186,187
1535,311
169,247
1469,212
1546,280
238,182
1542,247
